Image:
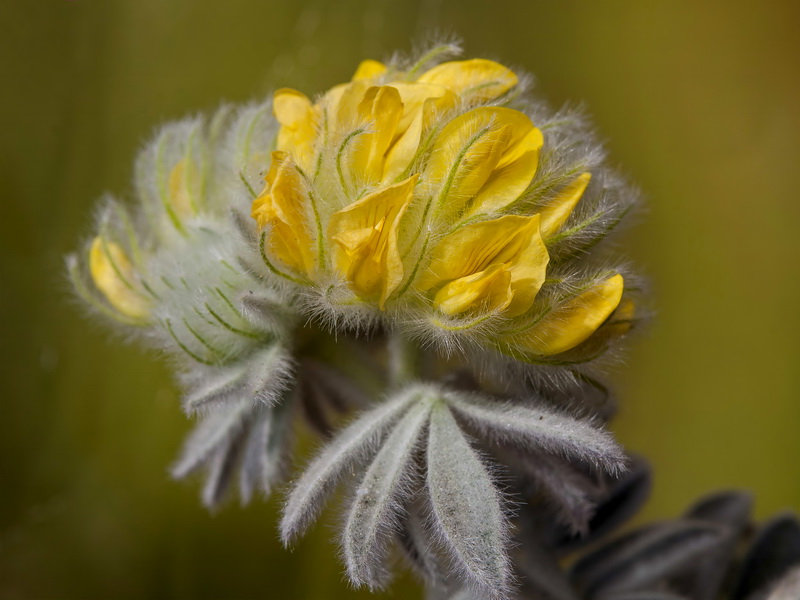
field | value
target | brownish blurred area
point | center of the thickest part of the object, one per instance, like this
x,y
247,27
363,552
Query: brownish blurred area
x,y
699,102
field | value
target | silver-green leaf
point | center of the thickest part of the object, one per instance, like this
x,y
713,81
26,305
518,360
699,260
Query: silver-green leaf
x,y
466,508
264,454
213,433
373,515
349,448
539,429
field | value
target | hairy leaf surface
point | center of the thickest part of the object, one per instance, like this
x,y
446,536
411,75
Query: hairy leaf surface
x,y
539,429
349,448
466,508
373,513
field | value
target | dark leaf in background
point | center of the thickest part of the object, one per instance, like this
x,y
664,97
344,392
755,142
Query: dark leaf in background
x,y
644,558
731,511
622,498
772,554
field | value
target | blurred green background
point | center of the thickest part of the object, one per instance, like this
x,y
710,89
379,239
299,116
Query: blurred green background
x,y
700,103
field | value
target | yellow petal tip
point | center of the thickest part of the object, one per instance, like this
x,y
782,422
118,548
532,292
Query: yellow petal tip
x,y
113,274
369,69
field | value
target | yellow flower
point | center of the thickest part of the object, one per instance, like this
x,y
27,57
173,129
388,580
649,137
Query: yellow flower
x,y
410,191
391,117
282,207
366,235
505,254
477,79
378,131
558,210
573,322
298,119
114,275
482,161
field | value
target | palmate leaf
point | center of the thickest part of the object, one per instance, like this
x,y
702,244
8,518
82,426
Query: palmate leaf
x,y
373,515
731,509
220,470
541,575
217,388
563,486
343,454
466,508
211,435
419,547
463,534
238,423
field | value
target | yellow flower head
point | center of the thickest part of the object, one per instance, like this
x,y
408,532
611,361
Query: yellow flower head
x,y
415,191
429,197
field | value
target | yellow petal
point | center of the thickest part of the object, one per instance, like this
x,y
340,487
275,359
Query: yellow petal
x,y
114,276
402,152
482,161
381,110
369,69
340,106
528,269
435,106
478,78
473,248
284,206
525,137
463,157
488,290
413,96
291,108
561,206
366,236
517,165
573,322
421,108
298,119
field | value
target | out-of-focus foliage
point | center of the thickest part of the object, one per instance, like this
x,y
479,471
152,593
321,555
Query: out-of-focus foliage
x,y
700,105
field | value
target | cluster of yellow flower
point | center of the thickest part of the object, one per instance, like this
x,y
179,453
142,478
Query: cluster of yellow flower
x,y
408,184
409,194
